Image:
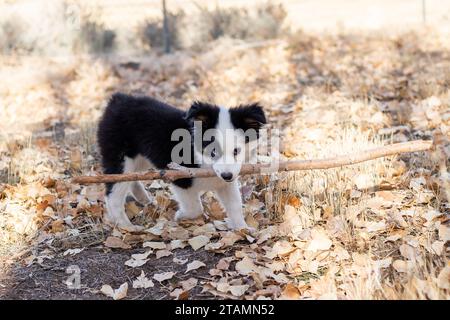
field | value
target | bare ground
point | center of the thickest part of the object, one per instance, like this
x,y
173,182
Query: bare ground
x,y
97,266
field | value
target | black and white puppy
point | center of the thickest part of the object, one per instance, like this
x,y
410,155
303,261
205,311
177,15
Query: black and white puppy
x,y
137,134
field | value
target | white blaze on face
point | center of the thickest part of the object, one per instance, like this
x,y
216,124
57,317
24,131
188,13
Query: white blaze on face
x,y
228,165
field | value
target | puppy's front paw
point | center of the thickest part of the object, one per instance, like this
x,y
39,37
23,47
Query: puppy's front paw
x,y
246,230
131,228
240,226
122,224
181,215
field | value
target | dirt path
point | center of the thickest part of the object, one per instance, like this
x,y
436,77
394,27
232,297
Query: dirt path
x,y
98,266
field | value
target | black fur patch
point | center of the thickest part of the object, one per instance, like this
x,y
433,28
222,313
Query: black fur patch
x,y
247,117
139,125
207,114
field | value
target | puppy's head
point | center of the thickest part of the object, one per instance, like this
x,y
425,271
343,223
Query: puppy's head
x,y
225,138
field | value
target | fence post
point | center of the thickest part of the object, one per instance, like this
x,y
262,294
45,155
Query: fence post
x,y
166,32
424,12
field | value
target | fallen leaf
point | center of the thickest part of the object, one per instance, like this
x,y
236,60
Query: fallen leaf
x,y
245,266
279,249
72,252
116,294
133,263
198,242
194,265
220,225
142,256
163,253
320,241
117,243
215,272
154,245
266,234
444,233
229,238
407,251
290,292
179,294
178,233
398,219
430,215
189,284
142,282
49,212
206,229
294,201
251,221
443,279
57,225
438,247
400,266
224,263
216,211
157,229
83,205
292,224
384,263
393,238
238,290
49,200
213,246
177,244
163,276
372,226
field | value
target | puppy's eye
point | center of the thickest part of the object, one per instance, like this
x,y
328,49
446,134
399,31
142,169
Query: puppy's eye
x,y
236,151
213,153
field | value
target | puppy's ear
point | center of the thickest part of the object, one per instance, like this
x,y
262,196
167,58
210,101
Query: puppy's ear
x,y
203,112
249,116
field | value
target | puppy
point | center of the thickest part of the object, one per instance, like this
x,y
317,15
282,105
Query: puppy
x,y
141,133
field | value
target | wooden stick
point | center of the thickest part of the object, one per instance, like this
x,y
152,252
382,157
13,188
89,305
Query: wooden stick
x,y
170,175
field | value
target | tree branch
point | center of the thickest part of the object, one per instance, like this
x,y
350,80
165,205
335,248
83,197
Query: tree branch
x,y
170,175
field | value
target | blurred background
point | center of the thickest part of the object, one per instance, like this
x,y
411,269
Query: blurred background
x,y
133,27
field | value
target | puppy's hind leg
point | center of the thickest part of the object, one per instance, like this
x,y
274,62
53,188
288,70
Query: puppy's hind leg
x,y
115,198
139,193
189,203
115,205
139,163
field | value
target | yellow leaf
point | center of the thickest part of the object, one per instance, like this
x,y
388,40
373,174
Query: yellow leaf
x,y
290,292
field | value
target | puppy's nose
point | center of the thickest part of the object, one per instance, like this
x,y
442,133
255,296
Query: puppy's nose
x,y
227,176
